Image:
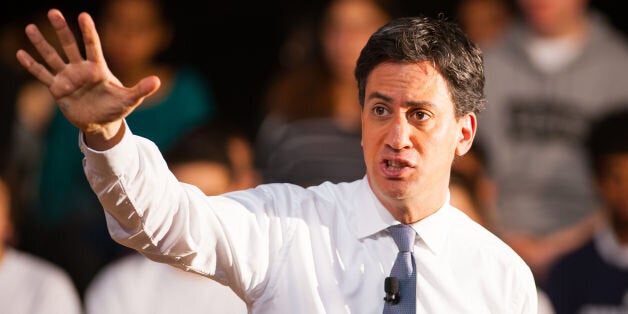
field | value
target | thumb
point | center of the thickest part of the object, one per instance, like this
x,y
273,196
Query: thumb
x,y
146,87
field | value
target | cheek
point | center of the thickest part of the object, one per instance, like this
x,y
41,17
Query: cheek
x,y
439,138
615,195
368,146
440,148
4,226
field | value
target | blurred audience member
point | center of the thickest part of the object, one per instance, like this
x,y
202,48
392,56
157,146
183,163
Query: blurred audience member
x,y
554,71
472,166
594,277
29,284
311,132
118,288
135,35
484,21
218,148
33,110
8,87
211,159
464,197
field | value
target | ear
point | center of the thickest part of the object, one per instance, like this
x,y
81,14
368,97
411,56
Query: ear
x,y
467,126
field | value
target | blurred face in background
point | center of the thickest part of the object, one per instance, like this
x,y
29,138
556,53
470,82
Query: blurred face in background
x,y
5,223
484,20
613,188
212,178
347,27
553,17
132,33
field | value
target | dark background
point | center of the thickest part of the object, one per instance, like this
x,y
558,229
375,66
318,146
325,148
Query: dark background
x,y
236,43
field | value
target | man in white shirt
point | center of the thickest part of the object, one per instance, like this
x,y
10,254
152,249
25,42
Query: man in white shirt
x,y
325,249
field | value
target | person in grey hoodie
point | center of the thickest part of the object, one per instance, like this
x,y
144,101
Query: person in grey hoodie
x,y
557,68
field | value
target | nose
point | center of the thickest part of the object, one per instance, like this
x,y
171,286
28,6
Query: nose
x,y
399,133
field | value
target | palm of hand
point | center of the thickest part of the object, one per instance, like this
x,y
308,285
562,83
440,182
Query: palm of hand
x,y
88,97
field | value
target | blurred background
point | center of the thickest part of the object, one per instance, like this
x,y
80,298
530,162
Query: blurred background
x,y
237,44
275,77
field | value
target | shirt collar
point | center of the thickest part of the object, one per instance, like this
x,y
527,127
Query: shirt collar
x,y
371,217
610,249
433,229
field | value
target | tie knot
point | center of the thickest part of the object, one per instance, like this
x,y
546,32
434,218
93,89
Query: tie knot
x,y
404,237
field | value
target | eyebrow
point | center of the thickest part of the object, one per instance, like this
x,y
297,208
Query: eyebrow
x,y
377,95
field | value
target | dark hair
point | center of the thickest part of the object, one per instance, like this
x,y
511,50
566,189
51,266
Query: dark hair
x,y
204,143
437,40
607,135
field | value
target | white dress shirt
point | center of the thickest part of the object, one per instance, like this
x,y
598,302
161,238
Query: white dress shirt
x,y
137,285
32,285
286,249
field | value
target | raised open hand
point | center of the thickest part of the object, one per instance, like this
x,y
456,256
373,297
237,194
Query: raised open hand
x,y
87,93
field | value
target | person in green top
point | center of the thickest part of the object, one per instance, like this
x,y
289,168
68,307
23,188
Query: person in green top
x,y
134,34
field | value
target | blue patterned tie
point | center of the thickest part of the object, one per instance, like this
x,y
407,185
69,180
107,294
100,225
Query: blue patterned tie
x,y
404,269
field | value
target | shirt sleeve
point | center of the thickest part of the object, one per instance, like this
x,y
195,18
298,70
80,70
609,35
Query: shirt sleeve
x,y
526,300
232,239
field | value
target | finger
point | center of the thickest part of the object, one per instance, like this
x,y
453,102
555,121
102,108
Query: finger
x,y
146,87
66,37
36,69
93,49
47,52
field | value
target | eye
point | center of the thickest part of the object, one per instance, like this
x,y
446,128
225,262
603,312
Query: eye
x,y
379,110
420,115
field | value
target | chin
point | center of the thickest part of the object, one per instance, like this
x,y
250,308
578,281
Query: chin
x,y
396,189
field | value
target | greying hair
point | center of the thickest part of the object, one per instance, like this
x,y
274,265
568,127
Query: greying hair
x,y
436,40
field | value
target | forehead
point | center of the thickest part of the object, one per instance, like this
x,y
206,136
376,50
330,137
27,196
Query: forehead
x,y
355,13
419,81
133,11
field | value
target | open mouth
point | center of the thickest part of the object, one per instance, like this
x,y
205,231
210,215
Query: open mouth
x,y
396,164
396,167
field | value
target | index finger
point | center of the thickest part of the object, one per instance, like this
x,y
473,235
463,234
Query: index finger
x,y
34,67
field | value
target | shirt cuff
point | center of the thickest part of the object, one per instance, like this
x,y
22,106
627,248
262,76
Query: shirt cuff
x,y
110,161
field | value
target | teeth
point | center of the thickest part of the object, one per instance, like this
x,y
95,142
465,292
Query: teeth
x,y
394,164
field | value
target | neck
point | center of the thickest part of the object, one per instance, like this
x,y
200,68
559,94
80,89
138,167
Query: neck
x,y
621,233
406,216
410,212
575,29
